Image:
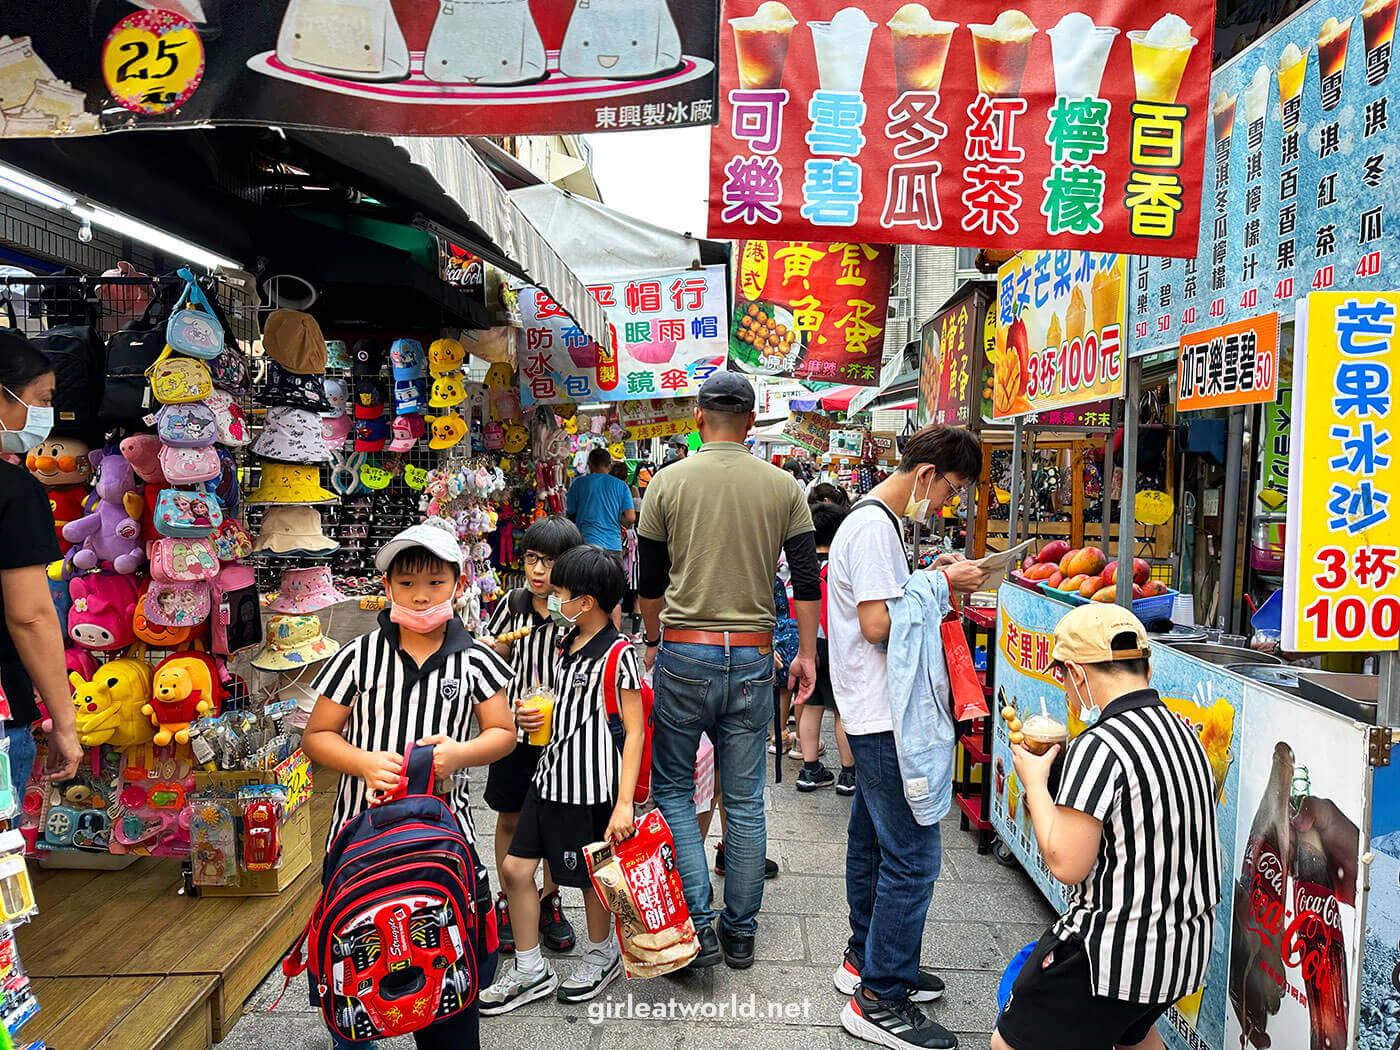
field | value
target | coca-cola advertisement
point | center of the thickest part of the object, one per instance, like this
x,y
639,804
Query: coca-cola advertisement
x,y
1295,929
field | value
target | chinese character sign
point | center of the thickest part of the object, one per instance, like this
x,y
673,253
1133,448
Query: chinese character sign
x,y
811,311
656,418
1059,341
1233,364
1342,556
669,331
368,66
1298,194
954,336
1037,128
811,430
930,371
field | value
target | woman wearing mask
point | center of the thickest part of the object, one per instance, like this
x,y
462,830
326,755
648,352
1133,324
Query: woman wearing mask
x,y
31,642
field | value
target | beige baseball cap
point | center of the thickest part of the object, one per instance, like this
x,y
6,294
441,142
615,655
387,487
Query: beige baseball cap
x,y
1085,635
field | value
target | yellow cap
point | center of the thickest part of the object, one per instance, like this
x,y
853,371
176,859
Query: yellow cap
x,y
1085,635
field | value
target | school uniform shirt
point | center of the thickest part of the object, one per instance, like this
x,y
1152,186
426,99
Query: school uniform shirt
x,y
394,703
532,658
1146,909
580,764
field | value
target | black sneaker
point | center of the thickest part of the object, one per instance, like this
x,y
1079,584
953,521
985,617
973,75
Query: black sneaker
x,y
847,977
555,930
503,931
770,867
894,1023
710,953
737,949
810,780
846,782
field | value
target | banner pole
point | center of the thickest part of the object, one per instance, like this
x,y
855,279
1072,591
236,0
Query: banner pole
x,y
1014,521
1127,517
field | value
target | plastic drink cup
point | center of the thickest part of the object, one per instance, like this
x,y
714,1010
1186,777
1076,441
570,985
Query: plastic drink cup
x,y
1222,112
1001,61
842,46
1079,59
1106,294
542,702
920,55
761,43
1332,40
1042,733
1013,795
1378,24
1291,74
1157,69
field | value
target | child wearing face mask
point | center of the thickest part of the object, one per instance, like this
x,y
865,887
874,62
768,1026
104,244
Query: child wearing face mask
x,y
418,678
583,786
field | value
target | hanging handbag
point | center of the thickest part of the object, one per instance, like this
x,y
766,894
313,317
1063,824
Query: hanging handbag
x,y
190,514
175,560
969,701
237,617
178,380
193,329
131,354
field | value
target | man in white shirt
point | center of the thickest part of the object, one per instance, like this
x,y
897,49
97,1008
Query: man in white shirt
x,y
891,860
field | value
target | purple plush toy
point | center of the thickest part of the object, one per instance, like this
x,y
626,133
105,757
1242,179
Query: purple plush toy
x,y
112,531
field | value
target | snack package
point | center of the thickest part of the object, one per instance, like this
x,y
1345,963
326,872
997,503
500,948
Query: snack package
x,y
638,882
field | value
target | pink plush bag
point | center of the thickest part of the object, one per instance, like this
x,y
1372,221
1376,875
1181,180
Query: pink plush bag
x,y
183,560
188,466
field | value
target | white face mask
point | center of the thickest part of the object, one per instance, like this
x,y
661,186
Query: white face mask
x,y
1088,710
38,421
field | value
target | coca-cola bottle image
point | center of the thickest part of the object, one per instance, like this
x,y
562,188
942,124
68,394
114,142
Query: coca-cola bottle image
x,y
1316,945
1259,924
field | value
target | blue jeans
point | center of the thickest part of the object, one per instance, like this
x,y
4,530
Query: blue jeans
x,y
730,692
892,862
22,754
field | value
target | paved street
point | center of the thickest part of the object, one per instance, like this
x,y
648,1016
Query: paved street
x,y
981,915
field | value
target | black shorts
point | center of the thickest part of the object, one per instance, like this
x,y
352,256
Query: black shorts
x,y
822,693
557,833
508,779
1052,1005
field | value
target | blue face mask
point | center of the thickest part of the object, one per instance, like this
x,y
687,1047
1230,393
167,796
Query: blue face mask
x,y
38,421
556,611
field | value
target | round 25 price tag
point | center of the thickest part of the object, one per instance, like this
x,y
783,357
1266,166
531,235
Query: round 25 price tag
x,y
153,61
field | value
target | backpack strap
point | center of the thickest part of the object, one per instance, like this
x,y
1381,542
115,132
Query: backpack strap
x,y
610,700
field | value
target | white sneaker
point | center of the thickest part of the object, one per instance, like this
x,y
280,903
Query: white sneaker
x,y
593,973
515,988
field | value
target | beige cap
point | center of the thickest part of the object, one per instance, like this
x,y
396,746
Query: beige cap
x,y
293,339
1085,635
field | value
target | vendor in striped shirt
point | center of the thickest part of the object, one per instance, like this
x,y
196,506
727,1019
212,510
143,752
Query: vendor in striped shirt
x,y
531,661
1132,831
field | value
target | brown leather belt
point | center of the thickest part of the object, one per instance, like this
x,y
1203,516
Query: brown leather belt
x,y
759,639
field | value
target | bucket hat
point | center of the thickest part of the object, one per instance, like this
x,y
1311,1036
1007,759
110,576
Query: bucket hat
x,y
293,642
367,357
337,395
371,434
289,483
290,388
294,530
406,432
336,430
446,430
292,435
337,354
293,339
446,355
307,590
448,391
408,359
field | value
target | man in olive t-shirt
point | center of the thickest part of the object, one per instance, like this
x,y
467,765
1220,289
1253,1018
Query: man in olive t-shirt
x,y
711,532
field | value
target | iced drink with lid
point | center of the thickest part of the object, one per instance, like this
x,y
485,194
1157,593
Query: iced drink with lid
x,y
1041,733
1160,55
920,48
1079,52
1378,24
1332,40
761,43
1001,51
842,46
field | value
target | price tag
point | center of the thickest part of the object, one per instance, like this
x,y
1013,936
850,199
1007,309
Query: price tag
x,y
153,61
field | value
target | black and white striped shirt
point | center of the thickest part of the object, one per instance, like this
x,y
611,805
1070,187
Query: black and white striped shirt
x,y
580,763
393,702
532,658
1145,911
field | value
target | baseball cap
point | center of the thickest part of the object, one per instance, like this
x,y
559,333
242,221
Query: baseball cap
x,y
677,441
727,392
1085,635
437,541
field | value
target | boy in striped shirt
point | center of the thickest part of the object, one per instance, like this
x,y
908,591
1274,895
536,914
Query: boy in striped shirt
x,y
531,662
1132,831
582,788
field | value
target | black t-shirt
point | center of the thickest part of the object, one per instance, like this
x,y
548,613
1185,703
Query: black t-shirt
x,y
26,523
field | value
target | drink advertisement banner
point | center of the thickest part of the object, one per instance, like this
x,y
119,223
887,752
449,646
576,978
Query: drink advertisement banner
x,y
952,339
1059,338
668,331
1210,699
1341,561
1300,191
1295,934
1380,977
509,67
811,311
1233,364
890,123
811,430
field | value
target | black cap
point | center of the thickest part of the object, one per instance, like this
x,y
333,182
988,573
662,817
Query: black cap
x,y
367,357
727,392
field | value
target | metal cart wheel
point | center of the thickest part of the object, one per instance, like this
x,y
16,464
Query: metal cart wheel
x,y
1001,852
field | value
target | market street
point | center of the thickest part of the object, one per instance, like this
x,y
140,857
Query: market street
x,y
982,914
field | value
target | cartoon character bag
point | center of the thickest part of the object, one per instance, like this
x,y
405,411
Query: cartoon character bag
x,y
177,380
188,466
178,560
193,329
177,604
187,426
231,540
187,514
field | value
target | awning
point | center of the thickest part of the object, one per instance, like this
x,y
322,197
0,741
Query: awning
x,y
896,389
903,406
837,399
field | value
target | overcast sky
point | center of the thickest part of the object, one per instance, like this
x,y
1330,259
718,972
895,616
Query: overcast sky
x,y
659,176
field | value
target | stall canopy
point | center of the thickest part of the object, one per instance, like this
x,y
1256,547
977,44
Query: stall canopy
x,y
836,399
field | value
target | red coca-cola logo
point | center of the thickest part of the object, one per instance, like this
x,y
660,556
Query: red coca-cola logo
x,y
1269,866
1310,897
1314,942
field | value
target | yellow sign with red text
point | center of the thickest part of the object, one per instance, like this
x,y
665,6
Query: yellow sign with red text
x,y
1028,650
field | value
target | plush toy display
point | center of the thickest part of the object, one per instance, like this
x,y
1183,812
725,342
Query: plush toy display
x,y
112,531
110,704
142,451
101,615
62,466
187,686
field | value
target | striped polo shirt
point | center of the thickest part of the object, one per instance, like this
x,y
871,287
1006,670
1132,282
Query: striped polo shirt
x,y
532,658
393,702
1146,909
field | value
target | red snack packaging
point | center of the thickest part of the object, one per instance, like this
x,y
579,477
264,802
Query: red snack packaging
x,y
637,881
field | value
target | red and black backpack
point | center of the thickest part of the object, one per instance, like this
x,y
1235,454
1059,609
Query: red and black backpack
x,y
402,936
